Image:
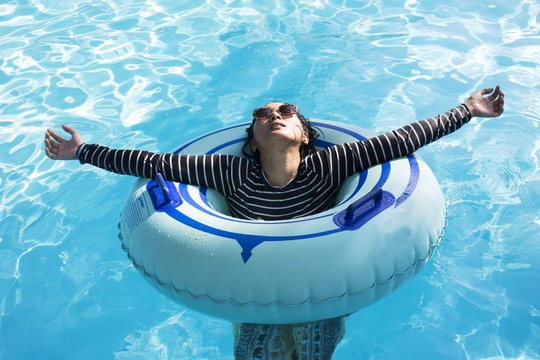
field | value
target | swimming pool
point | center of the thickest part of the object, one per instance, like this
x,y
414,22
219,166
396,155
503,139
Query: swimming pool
x,y
148,74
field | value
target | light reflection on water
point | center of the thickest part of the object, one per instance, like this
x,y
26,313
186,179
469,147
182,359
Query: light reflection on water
x,y
148,74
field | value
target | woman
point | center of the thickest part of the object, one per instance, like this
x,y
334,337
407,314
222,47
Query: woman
x,y
286,179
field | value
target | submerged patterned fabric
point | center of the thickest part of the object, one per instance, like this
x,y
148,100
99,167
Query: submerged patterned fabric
x,y
242,181
308,341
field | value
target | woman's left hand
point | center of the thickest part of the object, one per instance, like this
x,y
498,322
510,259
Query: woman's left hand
x,y
489,106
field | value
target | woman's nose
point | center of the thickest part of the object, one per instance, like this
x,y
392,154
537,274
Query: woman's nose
x,y
275,115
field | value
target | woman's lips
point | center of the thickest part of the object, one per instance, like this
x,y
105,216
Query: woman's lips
x,y
276,125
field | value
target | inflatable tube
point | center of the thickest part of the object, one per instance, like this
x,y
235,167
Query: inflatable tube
x,y
385,226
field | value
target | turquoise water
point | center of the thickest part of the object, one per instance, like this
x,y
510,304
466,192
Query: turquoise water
x,y
153,74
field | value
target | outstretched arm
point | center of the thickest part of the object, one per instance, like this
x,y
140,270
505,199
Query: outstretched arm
x,y
203,170
407,139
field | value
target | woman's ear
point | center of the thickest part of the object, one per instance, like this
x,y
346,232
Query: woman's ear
x,y
253,146
305,138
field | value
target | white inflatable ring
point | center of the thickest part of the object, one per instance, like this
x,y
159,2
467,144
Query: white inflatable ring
x,y
294,271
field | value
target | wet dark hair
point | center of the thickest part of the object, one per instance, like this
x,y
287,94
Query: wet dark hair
x,y
305,149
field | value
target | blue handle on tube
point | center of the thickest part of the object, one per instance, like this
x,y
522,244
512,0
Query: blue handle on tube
x,y
364,209
164,194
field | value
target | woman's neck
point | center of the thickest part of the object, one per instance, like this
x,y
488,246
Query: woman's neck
x,y
280,168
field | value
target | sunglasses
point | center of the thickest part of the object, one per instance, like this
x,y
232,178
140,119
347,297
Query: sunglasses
x,y
285,110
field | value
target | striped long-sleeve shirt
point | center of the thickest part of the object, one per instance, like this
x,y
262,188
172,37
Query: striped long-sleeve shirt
x,y
244,185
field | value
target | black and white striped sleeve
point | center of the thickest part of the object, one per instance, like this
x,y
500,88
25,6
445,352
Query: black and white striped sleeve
x,y
346,159
409,138
214,171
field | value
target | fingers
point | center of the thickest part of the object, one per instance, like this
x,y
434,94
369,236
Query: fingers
x,y
49,143
68,129
50,154
50,148
55,136
501,97
496,101
499,104
485,91
495,94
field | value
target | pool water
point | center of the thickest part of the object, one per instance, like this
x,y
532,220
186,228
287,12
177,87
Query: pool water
x,y
153,74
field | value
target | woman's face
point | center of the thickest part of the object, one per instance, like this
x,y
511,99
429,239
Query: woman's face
x,y
278,131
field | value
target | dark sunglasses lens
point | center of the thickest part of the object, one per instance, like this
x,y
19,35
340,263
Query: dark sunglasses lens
x,y
287,110
262,113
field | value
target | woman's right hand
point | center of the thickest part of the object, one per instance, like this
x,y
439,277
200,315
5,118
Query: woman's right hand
x,y
58,148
